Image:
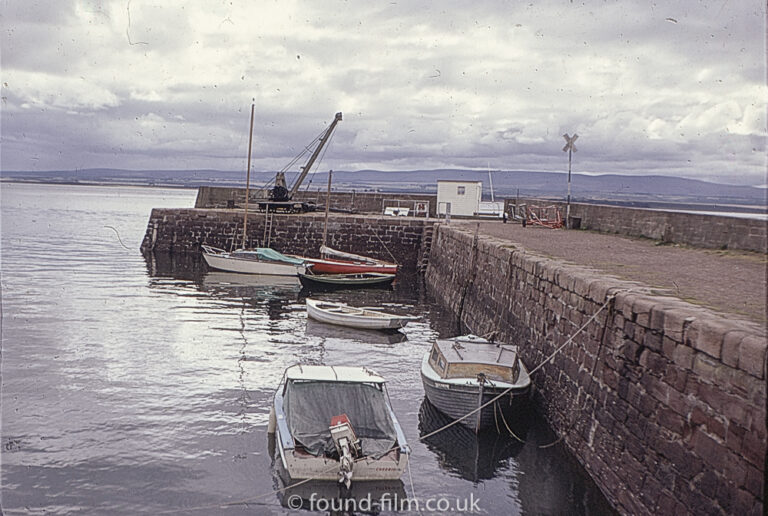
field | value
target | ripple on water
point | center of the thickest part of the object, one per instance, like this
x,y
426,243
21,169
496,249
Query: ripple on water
x,y
133,386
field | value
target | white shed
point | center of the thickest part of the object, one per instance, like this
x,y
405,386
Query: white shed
x,y
464,197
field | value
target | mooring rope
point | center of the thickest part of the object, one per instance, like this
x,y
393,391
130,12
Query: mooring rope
x,y
385,247
253,499
570,339
504,420
410,477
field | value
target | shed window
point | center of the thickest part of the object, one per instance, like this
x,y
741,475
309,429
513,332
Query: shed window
x,y
461,190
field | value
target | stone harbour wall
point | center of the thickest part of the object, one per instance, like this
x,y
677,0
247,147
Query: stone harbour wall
x,y
353,202
185,230
663,402
698,230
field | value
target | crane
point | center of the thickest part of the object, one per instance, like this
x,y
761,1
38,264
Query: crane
x,y
280,197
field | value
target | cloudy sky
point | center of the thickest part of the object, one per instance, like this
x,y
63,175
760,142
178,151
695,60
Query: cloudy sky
x,y
668,87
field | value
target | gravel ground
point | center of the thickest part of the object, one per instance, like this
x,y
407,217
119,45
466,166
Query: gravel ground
x,y
732,282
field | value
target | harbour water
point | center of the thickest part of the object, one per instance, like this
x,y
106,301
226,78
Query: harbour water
x,y
142,385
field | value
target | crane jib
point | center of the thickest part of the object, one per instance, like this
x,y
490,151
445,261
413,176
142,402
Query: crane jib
x,y
306,168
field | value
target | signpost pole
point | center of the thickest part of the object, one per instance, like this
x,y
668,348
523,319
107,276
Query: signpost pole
x,y
570,148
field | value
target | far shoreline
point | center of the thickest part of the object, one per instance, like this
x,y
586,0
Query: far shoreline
x,y
727,209
97,183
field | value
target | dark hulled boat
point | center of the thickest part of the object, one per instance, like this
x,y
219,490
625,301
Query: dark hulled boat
x,y
337,281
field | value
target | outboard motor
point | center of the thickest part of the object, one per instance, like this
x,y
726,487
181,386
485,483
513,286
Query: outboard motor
x,y
348,446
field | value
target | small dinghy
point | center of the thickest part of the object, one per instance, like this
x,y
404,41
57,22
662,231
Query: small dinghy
x,y
363,318
336,423
332,281
463,373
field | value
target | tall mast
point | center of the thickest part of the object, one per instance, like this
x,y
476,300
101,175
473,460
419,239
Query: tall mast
x,y
327,207
490,180
248,181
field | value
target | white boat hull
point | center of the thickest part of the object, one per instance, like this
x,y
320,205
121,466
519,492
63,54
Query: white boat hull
x,y
355,318
248,266
302,465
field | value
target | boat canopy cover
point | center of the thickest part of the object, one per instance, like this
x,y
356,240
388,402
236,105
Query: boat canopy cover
x,y
265,253
310,405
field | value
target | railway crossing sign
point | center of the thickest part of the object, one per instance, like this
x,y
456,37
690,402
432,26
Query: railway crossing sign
x,y
570,148
569,142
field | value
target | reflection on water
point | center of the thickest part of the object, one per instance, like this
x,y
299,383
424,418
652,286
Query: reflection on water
x,y
233,281
138,384
332,331
473,457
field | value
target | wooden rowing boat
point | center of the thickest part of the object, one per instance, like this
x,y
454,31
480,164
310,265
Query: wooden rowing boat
x,y
364,318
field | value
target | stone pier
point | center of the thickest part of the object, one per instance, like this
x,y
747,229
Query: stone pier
x,y
663,402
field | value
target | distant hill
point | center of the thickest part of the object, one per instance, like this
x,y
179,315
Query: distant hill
x,y
553,185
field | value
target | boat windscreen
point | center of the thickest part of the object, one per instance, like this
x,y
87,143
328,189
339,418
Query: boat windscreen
x,y
309,407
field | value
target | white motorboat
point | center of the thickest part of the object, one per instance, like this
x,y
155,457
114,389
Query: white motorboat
x,y
261,260
336,423
462,374
363,318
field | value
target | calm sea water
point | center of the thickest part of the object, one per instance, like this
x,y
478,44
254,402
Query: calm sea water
x,y
133,385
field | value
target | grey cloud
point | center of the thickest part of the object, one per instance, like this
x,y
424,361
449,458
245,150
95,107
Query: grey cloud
x,y
420,84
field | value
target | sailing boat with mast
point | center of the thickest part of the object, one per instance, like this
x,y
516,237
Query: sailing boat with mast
x,y
332,261
261,260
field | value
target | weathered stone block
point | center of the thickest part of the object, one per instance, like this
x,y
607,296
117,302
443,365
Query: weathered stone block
x,y
754,447
683,356
653,339
752,354
754,482
642,309
711,336
670,420
707,448
675,323
705,367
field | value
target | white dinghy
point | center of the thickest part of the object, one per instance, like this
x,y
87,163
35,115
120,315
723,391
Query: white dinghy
x,y
336,423
363,318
